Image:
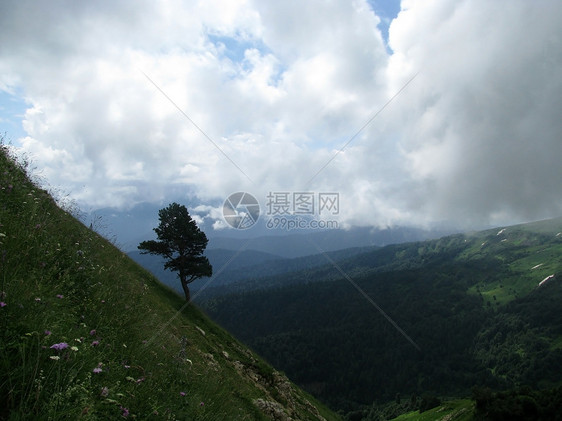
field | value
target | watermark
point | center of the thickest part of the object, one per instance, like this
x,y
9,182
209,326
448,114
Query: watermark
x,y
302,210
299,223
241,210
302,203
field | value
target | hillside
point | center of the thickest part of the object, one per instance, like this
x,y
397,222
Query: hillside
x,y
86,333
474,308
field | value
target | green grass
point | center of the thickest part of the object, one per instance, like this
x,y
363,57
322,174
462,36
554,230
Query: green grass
x,y
457,410
132,348
525,255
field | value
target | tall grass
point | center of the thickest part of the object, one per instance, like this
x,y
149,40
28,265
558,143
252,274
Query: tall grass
x,y
87,334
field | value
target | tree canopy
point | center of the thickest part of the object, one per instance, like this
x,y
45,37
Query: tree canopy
x,y
181,243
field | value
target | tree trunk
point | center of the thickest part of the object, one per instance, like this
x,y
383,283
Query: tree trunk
x,y
186,291
183,280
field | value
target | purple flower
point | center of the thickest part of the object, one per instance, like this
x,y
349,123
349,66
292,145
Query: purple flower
x,y
60,296
47,332
97,370
59,347
92,332
125,413
182,393
95,343
202,404
2,304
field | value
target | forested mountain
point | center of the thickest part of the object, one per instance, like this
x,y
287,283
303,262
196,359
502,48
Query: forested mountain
x,y
480,309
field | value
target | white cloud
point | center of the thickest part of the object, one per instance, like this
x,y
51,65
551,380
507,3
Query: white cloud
x,y
474,139
484,139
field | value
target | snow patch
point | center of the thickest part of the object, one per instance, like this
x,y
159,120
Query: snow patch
x,y
545,280
537,266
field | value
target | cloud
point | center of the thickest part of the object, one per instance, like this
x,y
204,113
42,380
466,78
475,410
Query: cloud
x,y
485,138
275,89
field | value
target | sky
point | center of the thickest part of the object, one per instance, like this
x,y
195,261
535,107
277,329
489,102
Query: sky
x,y
417,113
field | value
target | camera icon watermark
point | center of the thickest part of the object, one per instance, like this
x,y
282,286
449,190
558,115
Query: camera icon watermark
x,y
283,210
241,210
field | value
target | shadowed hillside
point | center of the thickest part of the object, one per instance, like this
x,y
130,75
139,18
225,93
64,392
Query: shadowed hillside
x,y
86,333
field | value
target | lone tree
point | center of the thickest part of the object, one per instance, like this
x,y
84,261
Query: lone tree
x,y
182,243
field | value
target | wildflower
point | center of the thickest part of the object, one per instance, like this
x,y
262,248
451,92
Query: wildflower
x,y
47,332
54,357
92,332
127,366
202,404
37,226
37,299
2,304
140,380
95,343
104,391
74,348
97,370
182,393
125,413
61,346
60,296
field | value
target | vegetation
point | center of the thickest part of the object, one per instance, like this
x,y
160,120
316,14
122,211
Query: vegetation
x,y
518,404
85,333
472,303
453,410
182,243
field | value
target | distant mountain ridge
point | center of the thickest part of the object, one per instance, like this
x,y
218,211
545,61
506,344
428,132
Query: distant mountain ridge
x,y
301,244
231,267
241,259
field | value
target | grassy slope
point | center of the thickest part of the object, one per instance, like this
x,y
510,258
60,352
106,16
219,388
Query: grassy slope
x,y
457,410
133,348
